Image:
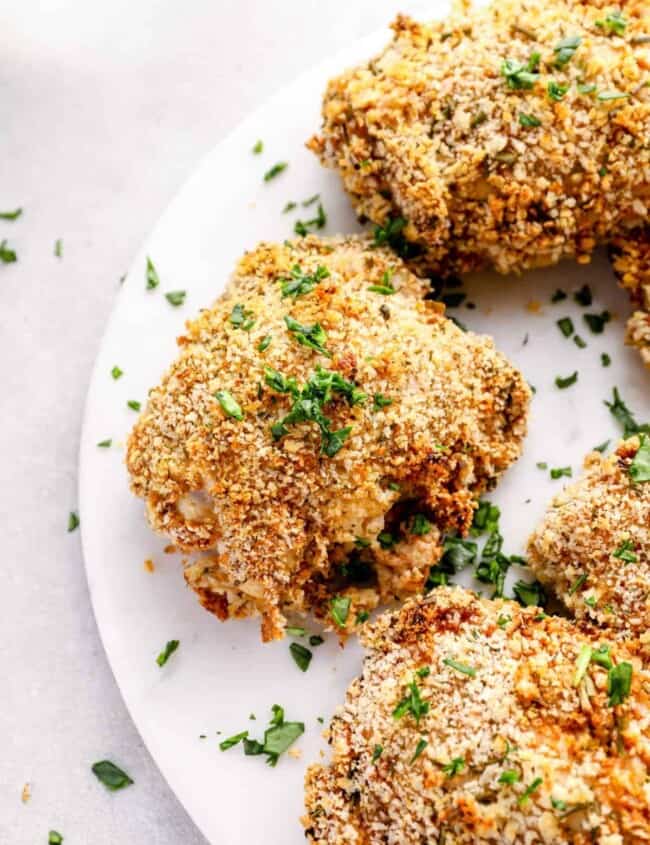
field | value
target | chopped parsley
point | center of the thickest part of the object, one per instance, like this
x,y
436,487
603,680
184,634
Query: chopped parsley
x,y
151,275
605,360
313,337
380,401
295,631
242,318
454,300
565,325
525,795
460,667
275,170
58,248
602,447
315,640
176,297
619,683
486,518
362,616
558,296
7,256
302,656
565,49
454,767
111,775
419,748
583,296
580,580
541,465
386,287
11,215
54,838
458,553
377,751
624,416
299,283
340,610
231,741
167,652
509,776
579,342
105,444
530,594
529,120
310,200
229,404
412,703
564,382
392,235
614,23
278,738
258,147
133,404
420,525
521,76
386,540
302,227
597,322
289,207
586,88
556,91
264,344
561,472
73,521
625,552
116,372
640,466
502,621
606,96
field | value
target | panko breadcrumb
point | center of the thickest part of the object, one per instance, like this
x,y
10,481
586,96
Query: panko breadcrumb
x,y
422,418
508,137
593,545
630,256
479,721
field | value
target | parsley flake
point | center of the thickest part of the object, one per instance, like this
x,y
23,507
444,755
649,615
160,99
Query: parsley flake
x,y
521,76
454,767
229,404
509,776
11,215
460,667
242,318
151,275
133,404
258,147
275,170
412,703
565,325
525,795
640,467
302,227
176,297
419,748
340,609
556,91
111,775
300,283
377,751
313,337
565,49
7,256
563,383
625,552
614,23
116,372
167,652
73,521
302,656
619,683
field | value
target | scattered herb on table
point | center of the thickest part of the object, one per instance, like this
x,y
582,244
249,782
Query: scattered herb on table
x,y
597,322
133,404
564,382
565,325
116,372
73,521
58,248
7,256
11,215
111,775
583,296
275,170
105,444
302,656
167,652
302,227
176,297
561,472
530,594
258,147
151,275
54,838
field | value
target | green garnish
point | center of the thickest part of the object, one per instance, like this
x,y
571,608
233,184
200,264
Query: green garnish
x,y
529,594
275,170
386,540
556,91
558,296
258,147
302,227
582,664
597,322
420,525
502,621
580,580
640,466
624,416
606,96
486,518
565,49
242,318
151,275
625,552
419,748
386,287
116,372
229,404
583,296
264,343
302,656
105,444
460,667
295,631
231,741
315,640
579,342
392,235
377,751
380,401
561,472
525,795
423,671
58,247
521,76
454,300
289,207
586,88
314,337
176,297
605,360
167,652
111,775
614,23
73,521
541,465
362,616
54,838
11,215
509,776
340,609
7,256
454,767
619,683
529,120
133,404
602,447
565,325
412,703
563,383
300,283
310,200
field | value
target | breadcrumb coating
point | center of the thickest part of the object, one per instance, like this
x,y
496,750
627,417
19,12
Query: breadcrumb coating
x,y
630,256
508,137
593,545
284,526
510,737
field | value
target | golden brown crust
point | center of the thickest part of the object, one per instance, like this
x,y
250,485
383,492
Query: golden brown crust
x,y
576,767
429,131
593,546
278,518
630,256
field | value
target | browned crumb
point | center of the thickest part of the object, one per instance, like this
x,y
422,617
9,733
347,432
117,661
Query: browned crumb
x,y
285,527
518,745
170,549
149,565
534,306
26,793
593,546
630,256
429,133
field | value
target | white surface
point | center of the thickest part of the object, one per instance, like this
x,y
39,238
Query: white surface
x,y
106,113
222,672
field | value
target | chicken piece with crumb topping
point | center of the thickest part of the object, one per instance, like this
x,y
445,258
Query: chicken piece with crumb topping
x,y
593,545
630,257
510,136
478,721
323,425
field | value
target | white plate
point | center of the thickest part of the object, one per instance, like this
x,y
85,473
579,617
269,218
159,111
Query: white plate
x,y
222,673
